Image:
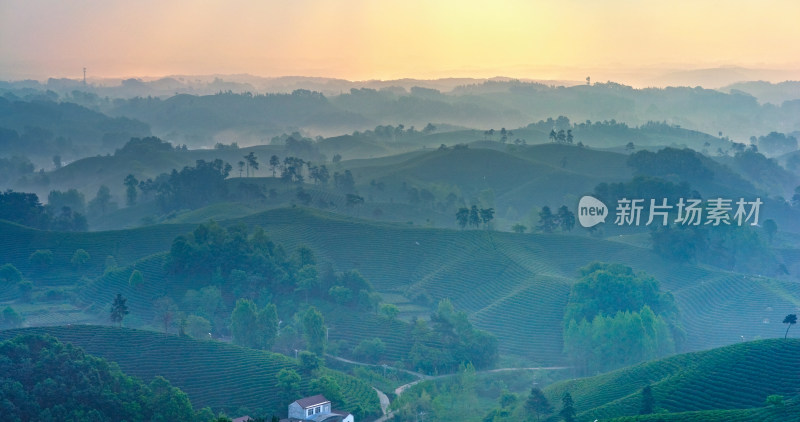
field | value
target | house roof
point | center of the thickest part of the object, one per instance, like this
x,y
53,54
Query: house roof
x,y
307,402
243,419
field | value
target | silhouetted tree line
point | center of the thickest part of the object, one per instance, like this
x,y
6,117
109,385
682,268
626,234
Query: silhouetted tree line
x,y
25,208
474,216
563,219
47,127
192,187
684,163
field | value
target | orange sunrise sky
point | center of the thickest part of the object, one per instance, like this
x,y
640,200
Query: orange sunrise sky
x,y
376,39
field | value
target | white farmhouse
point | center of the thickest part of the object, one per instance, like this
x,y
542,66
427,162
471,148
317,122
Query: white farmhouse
x,y
316,409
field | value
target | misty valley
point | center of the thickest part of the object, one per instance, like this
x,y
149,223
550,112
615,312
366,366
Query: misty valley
x,y
236,248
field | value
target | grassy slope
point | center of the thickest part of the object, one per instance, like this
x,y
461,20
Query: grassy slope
x,y
519,177
514,285
127,246
212,373
739,376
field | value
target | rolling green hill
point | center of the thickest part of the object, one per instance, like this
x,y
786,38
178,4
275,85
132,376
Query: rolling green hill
x,y
512,180
514,285
126,246
212,373
87,174
740,376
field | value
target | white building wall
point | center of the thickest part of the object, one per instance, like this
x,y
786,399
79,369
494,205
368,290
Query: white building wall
x,y
297,412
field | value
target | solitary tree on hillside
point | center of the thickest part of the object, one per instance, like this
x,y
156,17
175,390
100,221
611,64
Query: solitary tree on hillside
x,y
10,274
252,162
119,309
102,202
288,382
648,402
314,331
274,163
567,408
80,258
487,214
462,217
240,164
130,189
566,218
165,310
547,221
537,403
770,227
790,319
474,216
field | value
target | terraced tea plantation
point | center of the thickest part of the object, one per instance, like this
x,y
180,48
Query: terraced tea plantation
x,y
215,374
740,376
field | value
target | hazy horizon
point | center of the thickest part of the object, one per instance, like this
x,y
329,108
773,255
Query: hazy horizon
x,y
360,40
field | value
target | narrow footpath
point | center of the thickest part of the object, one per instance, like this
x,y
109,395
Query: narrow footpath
x,y
422,377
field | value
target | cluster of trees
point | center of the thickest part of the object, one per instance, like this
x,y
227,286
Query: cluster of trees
x,y
644,187
775,143
144,147
474,216
9,318
15,167
200,313
685,163
611,301
739,248
504,136
250,265
451,399
449,342
292,169
764,172
230,262
192,187
237,261
563,219
393,133
249,162
25,208
254,327
349,288
44,379
537,405
561,137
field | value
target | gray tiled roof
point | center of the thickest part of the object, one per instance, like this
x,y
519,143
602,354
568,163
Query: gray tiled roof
x,y
317,400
